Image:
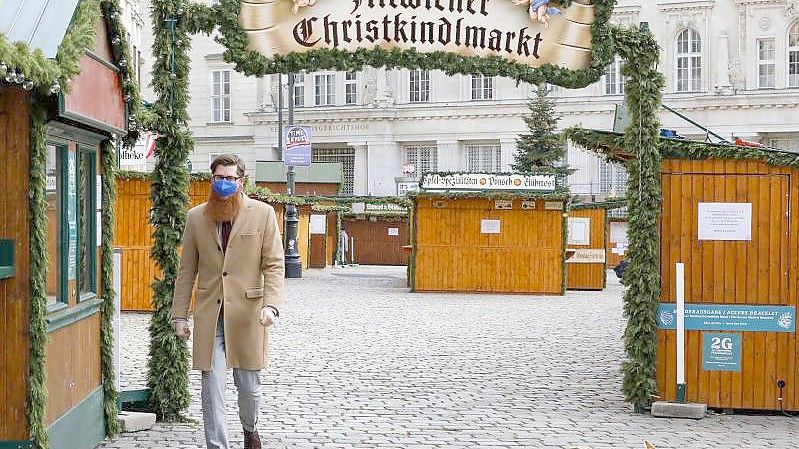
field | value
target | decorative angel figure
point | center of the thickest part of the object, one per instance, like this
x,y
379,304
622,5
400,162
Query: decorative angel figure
x,y
300,3
539,10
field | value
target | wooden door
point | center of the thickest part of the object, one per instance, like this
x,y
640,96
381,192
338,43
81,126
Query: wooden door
x,y
753,272
378,242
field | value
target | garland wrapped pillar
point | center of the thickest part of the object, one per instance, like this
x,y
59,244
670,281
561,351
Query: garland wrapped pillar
x,y
109,192
642,277
37,383
168,362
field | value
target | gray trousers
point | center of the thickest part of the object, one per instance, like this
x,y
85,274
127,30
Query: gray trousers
x,y
248,384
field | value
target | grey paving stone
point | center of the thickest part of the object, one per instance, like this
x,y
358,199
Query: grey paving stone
x,y
358,361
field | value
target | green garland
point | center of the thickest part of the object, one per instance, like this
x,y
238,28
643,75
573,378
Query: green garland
x,y
204,19
39,256
610,203
109,192
130,175
47,75
168,364
610,146
643,94
122,56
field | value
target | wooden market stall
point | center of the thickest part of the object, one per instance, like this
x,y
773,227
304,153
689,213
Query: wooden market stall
x,y
726,215
139,270
377,236
469,238
617,241
56,148
585,248
320,178
135,242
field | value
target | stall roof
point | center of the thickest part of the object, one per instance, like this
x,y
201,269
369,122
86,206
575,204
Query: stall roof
x,y
607,204
610,145
318,172
41,24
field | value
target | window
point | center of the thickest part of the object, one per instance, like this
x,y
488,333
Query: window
x,y
325,89
424,158
766,64
419,88
299,90
482,87
220,96
87,223
785,143
689,61
71,224
350,88
483,158
793,56
614,80
612,179
346,156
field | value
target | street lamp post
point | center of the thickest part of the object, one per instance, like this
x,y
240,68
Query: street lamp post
x,y
292,256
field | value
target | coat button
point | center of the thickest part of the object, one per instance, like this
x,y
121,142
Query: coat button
x,y
224,273
219,301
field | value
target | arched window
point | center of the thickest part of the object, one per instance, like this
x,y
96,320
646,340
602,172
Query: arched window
x,y
793,55
689,61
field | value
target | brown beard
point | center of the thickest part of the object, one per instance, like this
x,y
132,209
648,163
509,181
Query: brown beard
x,y
222,209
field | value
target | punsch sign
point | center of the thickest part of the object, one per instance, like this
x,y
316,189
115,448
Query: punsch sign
x,y
550,34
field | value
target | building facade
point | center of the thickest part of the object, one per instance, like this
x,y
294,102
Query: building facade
x,y
730,65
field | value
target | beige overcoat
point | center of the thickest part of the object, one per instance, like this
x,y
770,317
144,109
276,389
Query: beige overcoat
x,y
247,277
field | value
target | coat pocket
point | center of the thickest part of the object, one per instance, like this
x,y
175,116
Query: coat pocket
x,y
254,293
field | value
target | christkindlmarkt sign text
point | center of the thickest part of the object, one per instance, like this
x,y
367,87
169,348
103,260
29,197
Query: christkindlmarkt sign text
x,y
544,32
487,181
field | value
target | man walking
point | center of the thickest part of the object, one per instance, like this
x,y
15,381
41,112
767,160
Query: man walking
x,y
233,249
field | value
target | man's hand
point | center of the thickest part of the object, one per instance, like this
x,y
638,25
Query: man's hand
x,y
182,329
267,316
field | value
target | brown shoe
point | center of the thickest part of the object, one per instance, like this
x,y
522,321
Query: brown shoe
x,y
252,440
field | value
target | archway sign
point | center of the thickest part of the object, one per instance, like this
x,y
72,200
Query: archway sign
x,y
567,43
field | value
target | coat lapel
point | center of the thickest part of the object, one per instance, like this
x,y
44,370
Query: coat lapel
x,y
241,218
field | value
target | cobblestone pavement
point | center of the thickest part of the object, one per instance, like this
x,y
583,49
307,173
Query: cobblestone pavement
x,y
359,362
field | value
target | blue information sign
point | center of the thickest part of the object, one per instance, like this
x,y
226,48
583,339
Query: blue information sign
x,y
297,151
721,352
730,317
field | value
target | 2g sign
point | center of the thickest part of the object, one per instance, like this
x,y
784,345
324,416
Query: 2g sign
x,y
721,352
721,344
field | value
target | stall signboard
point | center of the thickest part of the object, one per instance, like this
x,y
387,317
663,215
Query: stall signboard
x,y
551,34
730,317
488,182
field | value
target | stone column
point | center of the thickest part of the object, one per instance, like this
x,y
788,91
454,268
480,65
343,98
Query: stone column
x,y
384,164
723,84
507,149
449,156
361,169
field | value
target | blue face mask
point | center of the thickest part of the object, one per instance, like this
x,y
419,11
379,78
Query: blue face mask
x,y
224,188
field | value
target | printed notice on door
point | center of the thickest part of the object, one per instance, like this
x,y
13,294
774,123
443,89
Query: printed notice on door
x,y
489,226
725,221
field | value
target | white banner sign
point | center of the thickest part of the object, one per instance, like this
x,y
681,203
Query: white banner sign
x,y
579,231
489,226
318,224
725,221
488,181
587,256
393,231
132,156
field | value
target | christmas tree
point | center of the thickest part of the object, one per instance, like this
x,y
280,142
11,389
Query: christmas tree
x,y
542,149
